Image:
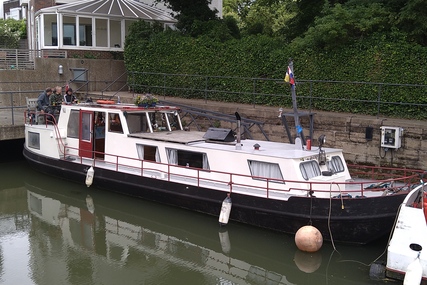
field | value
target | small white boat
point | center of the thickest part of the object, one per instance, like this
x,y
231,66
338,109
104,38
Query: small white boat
x,y
146,153
407,249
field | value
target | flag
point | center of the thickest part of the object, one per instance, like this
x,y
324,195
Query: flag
x,y
289,77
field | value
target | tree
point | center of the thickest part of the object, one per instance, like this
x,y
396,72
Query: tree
x,y
189,11
11,31
342,24
411,19
307,11
261,16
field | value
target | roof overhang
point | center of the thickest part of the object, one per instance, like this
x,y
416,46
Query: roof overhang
x,y
125,9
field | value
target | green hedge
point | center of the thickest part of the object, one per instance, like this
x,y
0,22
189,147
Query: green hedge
x,y
175,65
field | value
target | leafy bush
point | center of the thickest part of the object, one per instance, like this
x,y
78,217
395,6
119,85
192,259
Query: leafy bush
x,y
11,31
249,70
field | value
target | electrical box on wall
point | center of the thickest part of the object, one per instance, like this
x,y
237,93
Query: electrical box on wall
x,y
391,137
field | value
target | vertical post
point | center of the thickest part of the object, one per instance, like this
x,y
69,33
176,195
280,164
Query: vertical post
x,y
87,82
254,90
238,144
379,101
11,104
206,89
311,94
16,59
294,99
164,85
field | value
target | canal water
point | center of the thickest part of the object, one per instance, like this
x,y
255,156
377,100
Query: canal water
x,y
58,232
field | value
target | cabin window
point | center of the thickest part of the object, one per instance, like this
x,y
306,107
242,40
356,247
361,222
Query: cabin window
x,y
137,123
158,121
34,140
115,124
148,152
188,158
336,164
73,124
310,169
173,121
260,169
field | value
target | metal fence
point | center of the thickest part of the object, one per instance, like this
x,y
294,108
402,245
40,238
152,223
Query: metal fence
x,y
24,58
254,91
373,98
13,104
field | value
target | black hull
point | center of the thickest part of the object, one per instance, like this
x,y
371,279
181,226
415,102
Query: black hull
x,y
361,221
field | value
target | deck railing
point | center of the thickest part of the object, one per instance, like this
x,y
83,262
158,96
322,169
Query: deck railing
x,y
261,186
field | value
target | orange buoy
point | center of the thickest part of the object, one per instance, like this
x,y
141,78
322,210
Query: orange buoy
x,y
308,239
105,102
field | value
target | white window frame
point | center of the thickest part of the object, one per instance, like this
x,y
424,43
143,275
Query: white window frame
x,y
261,170
310,169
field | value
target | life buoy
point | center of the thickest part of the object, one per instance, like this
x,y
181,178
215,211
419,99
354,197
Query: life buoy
x,y
105,102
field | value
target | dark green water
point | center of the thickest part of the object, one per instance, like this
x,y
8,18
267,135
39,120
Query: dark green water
x,y
59,232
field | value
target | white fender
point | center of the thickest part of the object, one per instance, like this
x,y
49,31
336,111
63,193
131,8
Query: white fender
x,y
89,176
414,273
225,211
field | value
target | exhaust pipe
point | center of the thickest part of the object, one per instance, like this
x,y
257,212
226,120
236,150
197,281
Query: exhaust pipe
x,y
238,144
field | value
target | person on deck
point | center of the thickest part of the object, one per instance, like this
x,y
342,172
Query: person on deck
x,y
69,97
56,98
43,101
55,101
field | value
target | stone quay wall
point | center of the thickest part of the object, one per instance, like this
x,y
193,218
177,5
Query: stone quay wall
x,y
100,74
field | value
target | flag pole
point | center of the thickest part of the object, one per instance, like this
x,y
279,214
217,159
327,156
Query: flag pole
x,y
294,98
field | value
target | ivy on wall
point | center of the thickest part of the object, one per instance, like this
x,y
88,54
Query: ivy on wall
x,y
376,59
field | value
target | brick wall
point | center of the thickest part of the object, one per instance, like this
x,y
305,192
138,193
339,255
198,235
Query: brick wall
x,y
40,4
90,54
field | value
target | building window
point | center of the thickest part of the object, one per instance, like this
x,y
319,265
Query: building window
x,y
310,169
85,31
115,34
101,26
260,169
50,30
69,30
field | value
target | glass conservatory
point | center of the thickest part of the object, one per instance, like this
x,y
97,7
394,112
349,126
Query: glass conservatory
x,y
92,25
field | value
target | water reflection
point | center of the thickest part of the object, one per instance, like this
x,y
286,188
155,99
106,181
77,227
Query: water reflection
x,y
69,234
